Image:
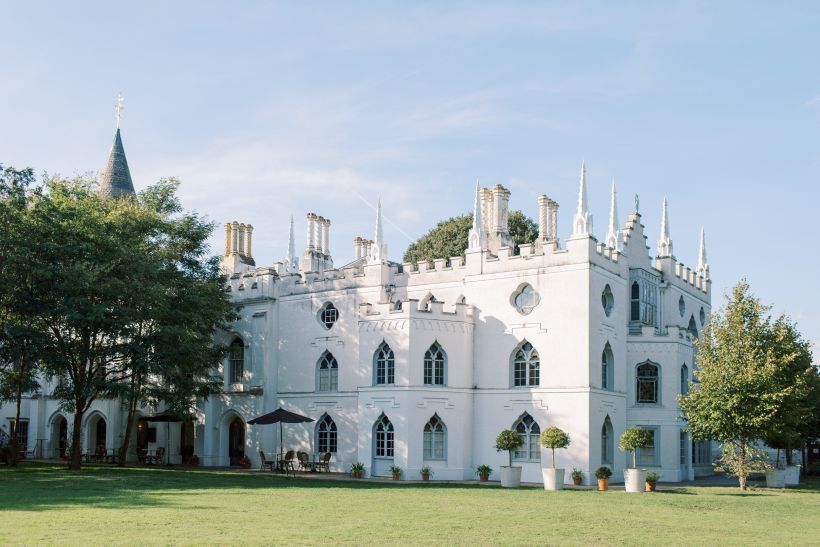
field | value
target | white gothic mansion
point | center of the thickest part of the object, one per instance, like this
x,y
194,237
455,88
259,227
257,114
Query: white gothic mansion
x,y
424,365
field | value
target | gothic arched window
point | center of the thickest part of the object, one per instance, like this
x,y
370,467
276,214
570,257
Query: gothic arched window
x,y
237,361
384,366
529,431
607,368
526,366
383,437
607,442
435,365
647,383
435,439
684,379
327,373
326,435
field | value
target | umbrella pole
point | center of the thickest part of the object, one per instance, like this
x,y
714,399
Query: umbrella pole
x,y
281,446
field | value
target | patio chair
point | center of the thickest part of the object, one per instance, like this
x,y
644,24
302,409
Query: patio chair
x,y
156,459
286,465
142,455
304,461
324,462
265,461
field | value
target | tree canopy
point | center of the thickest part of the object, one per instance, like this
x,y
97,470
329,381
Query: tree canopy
x,y
449,237
119,299
754,380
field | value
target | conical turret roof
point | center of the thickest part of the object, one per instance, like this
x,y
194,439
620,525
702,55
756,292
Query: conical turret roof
x,y
115,180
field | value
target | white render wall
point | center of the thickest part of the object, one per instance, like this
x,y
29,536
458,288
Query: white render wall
x,y
475,321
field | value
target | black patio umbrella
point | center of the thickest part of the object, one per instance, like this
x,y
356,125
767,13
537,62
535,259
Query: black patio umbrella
x,y
280,416
167,417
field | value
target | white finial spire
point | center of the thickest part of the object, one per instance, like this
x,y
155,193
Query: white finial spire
x,y
582,223
703,266
664,242
477,239
613,235
378,251
291,264
118,108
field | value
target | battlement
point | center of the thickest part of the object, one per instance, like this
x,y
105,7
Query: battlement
x,y
675,269
257,283
412,309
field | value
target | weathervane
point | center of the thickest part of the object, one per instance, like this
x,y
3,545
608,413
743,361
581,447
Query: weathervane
x,y
118,108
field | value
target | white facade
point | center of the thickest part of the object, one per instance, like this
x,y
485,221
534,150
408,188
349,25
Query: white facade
x,y
558,318
571,303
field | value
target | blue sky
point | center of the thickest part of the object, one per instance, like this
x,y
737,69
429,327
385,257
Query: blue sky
x,y
270,109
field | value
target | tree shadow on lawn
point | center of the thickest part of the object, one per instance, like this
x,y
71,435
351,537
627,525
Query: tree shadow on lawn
x,y
41,487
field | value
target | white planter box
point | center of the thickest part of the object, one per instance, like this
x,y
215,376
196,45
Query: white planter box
x,y
792,475
510,476
635,480
553,478
776,478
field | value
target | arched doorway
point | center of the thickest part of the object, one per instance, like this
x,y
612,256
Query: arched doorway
x,y
59,436
99,433
186,441
96,430
236,441
383,441
142,438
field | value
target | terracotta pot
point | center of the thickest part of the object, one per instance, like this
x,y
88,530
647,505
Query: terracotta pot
x,y
356,474
425,477
396,476
484,477
650,487
603,484
576,481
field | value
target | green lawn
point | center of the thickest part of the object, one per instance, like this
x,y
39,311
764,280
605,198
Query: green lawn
x,y
48,504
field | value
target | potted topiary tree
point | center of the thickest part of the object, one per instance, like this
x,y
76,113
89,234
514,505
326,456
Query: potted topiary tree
x,y
631,440
603,474
553,438
483,471
509,440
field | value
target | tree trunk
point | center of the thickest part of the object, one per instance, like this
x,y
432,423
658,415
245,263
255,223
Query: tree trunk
x,y
129,425
76,434
741,466
788,452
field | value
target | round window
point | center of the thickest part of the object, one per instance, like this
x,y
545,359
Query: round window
x,y
681,306
328,315
526,299
607,300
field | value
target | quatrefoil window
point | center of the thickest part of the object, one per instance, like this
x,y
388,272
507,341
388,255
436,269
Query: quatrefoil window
x,y
526,299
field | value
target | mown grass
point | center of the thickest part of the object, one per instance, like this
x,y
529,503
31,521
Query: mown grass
x,y
42,504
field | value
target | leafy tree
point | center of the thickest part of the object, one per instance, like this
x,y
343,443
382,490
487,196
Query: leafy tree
x,y
449,237
123,301
798,375
753,374
632,439
508,440
171,348
18,333
553,438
